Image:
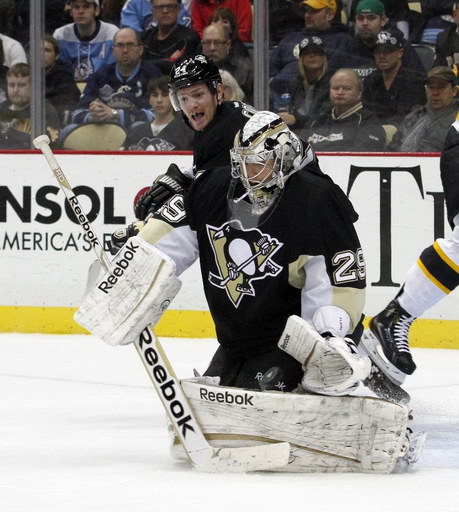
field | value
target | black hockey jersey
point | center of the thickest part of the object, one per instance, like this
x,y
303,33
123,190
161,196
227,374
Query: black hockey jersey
x,y
449,170
211,147
305,255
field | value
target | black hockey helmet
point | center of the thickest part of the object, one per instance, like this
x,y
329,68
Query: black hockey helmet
x,y
191,71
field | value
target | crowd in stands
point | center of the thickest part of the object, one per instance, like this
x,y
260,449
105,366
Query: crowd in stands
x,y
346,75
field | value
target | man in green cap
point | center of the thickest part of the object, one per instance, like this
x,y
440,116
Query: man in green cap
x,y
397,11
370,19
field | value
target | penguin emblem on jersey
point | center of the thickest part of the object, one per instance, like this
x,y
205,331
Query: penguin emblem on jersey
x,y
242,256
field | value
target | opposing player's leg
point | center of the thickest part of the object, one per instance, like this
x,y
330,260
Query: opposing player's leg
x,y
431,278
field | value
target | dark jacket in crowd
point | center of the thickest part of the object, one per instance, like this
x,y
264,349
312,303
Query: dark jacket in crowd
x,y
181,42
16,126
358,129
129,96
359,57
391,106
424,129
176,136
308,103
447,47
61,90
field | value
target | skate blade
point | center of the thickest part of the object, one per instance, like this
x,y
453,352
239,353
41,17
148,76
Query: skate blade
x,y
372,348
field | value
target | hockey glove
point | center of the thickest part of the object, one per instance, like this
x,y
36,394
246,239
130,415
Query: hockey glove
x,y
163,188
121,236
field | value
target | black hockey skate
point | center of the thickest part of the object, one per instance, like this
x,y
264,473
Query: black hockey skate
x,y
391,328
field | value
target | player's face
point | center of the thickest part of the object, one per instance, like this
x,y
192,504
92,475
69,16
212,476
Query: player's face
x,y
19,91
49,54
198,104
259,173
160,102
83,12
317,19
344,90
440,94
368,26
387,57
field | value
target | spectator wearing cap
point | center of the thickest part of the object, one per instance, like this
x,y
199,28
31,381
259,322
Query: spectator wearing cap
x,y
447,46
393,89
309,92
318,20
397,12
425,128
348,126
86,44
370,19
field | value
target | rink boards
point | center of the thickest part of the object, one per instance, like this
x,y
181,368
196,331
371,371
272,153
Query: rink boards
x,y
45,257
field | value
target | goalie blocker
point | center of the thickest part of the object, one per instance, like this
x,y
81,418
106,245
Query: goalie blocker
x,y
135,292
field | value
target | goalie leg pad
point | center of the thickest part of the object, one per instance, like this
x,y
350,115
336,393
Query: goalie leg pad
x,y
332,366
326,434
135,292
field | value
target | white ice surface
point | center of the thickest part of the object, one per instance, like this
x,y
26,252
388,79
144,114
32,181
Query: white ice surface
x,y
81,429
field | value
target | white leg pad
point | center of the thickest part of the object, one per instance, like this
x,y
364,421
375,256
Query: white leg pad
x,y
327,434
331,366
135,292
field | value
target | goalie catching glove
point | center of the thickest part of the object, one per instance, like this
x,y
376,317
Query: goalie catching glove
x,y
164,187
331,366
135,292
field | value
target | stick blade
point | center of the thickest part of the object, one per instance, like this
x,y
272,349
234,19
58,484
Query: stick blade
x,y
263,457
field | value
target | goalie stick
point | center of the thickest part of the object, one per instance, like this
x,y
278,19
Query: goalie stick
x,y
204,456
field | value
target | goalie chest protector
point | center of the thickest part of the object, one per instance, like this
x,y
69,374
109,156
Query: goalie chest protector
x,y
253,278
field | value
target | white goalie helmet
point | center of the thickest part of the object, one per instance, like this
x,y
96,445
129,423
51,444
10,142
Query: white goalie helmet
x,y
265,140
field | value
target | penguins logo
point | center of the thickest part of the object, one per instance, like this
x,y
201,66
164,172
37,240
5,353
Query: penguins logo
x,y
241,257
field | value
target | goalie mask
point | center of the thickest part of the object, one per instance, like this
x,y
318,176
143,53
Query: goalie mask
x,y
264,155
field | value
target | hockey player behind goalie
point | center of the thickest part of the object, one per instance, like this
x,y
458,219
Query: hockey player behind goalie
x,y
282,269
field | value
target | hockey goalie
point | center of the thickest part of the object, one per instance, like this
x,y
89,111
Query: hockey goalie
x,y
284,277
